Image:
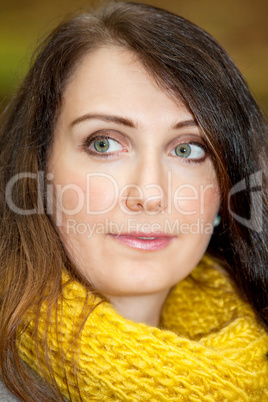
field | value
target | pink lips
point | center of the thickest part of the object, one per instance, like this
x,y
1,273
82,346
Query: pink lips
x,y
144,241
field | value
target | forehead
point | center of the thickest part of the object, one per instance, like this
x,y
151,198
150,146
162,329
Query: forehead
x,y
112,79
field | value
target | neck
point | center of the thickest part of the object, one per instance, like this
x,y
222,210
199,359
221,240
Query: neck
x,y
141,308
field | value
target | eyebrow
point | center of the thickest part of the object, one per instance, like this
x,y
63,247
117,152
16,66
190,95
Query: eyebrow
x,y
125,121
185,123
104,117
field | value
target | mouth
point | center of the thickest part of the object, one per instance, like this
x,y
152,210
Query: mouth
x,y
142,241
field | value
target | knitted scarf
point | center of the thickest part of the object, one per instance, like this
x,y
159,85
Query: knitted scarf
x,y
207,348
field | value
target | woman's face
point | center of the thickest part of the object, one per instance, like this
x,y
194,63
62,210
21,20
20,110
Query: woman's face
x,y
135,191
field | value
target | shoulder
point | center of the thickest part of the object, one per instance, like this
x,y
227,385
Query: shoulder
x,y
6,395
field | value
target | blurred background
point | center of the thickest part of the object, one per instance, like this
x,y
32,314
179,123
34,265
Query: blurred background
x,y
241,26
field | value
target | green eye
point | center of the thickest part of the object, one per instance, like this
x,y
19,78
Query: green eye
x,y
101,145
183,150
190,151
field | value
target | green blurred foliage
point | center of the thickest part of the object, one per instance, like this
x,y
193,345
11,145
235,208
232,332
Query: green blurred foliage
x,y
239,25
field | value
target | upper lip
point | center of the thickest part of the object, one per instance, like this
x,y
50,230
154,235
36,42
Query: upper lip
x,y
143,234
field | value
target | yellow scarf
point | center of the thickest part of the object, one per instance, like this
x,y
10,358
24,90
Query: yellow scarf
x,y
209,347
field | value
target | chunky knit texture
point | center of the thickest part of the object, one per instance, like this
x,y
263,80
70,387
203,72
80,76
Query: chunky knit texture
x,y
208,348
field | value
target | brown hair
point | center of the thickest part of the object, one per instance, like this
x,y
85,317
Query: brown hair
x,y
189,64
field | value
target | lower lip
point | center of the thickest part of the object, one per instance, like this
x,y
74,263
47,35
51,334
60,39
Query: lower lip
x,y
148,245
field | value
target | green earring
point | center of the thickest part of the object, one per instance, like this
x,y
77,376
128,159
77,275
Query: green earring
x,y
217,221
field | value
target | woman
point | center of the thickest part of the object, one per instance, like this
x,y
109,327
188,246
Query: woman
x,y
132,147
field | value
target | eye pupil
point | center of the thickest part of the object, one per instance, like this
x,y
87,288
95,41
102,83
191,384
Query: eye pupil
x,y
101,145
183,150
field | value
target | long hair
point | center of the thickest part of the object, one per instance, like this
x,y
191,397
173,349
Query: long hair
x,y
188,64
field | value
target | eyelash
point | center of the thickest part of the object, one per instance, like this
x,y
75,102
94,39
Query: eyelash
x,y
91,139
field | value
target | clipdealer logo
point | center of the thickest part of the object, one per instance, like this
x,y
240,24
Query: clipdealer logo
x,y
52,195
127,227
254,186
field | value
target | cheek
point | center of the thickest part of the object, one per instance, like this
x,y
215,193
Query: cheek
x,y
197,199
69,190
86,193
209,201
101,193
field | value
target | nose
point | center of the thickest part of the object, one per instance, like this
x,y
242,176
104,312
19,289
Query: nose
x,y
147,192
